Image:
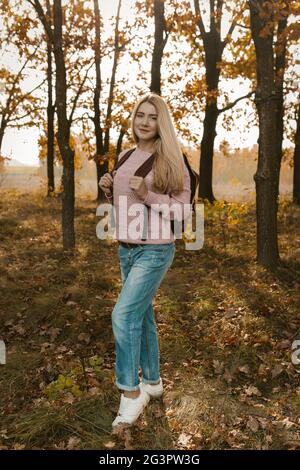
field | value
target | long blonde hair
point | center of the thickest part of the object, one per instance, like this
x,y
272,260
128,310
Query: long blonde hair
x,y
168,166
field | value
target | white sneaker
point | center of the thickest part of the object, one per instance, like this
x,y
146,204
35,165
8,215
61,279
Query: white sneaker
x,y
155,390
131,408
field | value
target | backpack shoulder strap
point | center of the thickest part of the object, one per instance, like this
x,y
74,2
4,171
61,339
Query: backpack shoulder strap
x,y
142,170
193,174
122,160
146,167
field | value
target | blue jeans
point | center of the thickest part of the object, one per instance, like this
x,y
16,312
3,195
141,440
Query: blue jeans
x,y
133,322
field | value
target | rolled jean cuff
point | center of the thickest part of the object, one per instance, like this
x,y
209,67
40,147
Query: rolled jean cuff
x,y
151,382
125,387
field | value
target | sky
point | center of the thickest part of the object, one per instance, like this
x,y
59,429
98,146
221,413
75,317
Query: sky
x,y
22,144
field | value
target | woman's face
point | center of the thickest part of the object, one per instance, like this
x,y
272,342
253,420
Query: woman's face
x,y
145,122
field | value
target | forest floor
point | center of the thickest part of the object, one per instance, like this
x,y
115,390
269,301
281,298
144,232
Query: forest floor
x,y
226,329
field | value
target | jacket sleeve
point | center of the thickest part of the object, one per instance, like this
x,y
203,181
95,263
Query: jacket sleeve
x,y
180,201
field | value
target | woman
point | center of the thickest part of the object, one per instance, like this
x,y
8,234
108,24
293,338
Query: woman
x,y
144,262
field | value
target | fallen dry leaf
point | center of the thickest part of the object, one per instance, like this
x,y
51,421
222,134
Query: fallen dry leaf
x,y
253,424
73,442
109,445
251,390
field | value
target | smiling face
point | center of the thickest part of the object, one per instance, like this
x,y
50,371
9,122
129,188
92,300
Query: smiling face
x,y
145,122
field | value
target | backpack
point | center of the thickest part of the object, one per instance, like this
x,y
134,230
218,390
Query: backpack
x,y
146,167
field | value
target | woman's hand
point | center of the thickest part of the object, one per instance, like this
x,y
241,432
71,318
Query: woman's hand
x,y
105,182
137,183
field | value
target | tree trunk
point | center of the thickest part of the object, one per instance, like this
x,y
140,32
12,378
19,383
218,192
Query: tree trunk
x,y
266,176
120,141
63,134
97,95
111,88
213,49
296,179
50,117
280,63
207,152
102,147
1,139
159,44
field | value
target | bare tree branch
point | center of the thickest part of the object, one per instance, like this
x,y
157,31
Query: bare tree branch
x,y
78,94
231,105
200,21
9,113
243,26
18,118
41,14
11,92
